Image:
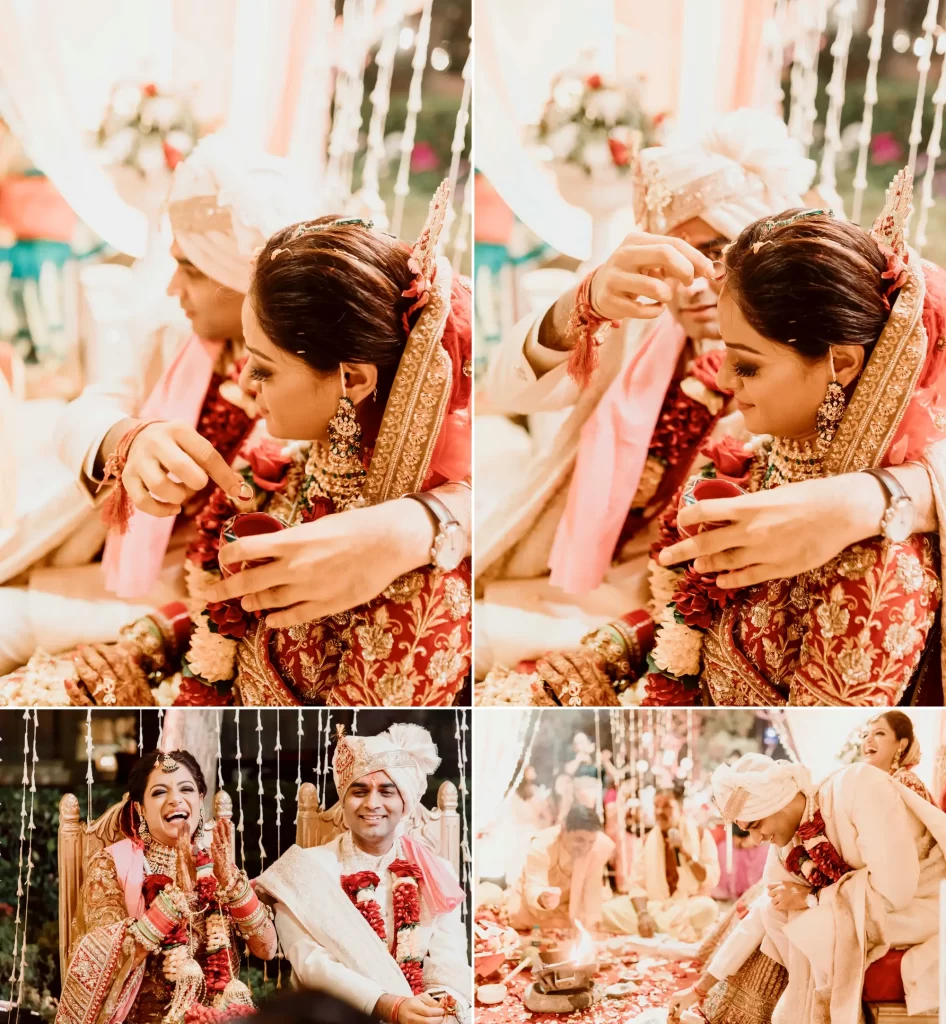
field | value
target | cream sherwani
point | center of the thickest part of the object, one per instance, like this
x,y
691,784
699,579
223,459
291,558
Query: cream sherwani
x,y
894,840
550,867
686,913
335,951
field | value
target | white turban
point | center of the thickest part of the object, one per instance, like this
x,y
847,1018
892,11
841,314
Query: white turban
x,y
224,204
744,168
756,786
406,753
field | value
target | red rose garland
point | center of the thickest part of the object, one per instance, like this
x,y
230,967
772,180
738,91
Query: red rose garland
x,y
361,888
815,859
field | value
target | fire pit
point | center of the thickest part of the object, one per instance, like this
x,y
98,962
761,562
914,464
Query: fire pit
x,y
567,985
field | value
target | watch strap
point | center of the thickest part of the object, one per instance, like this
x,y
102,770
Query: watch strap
x,y
436,507
893,487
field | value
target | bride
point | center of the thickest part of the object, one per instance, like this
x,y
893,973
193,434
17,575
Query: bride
x,y
162,912
834,357
362,346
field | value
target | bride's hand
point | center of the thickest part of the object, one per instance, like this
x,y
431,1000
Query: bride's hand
x,y
779,533
109,675
186,868
328,566
577,676
221,850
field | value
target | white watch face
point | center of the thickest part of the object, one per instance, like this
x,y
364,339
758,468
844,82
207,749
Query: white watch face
x,y
449,547
899,520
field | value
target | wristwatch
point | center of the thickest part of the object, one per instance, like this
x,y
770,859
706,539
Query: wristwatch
x,y
898,521
449,545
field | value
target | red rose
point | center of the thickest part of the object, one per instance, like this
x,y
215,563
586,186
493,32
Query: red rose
x,y
405,869
620,153
229,618
812,828
793,861
172,156
706,368
152,885
150,89
593,81
730,457
697,597
664,692
269,465
195,694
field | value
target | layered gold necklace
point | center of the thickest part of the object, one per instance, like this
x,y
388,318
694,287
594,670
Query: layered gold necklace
x,y
791,461
162,860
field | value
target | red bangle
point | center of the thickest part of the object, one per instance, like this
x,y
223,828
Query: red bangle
x,y
394,1009
590,326
118,508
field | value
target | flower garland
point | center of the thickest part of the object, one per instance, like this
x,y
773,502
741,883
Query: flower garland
x,y
814,858
686,602
230,997
361,889
689,412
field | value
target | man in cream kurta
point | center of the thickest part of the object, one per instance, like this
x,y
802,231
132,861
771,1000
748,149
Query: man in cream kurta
x,y
746,167
59,598
563,875
891,839
673,874
331,946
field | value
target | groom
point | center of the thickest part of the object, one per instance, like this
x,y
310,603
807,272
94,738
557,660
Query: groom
x,y
853,871
373,917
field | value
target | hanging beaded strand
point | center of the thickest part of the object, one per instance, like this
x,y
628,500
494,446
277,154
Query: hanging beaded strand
x,y
19,876
279,849
29,859
299,736
239,759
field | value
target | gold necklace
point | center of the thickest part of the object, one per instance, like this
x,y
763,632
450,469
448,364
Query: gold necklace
x,y
791,461
162,860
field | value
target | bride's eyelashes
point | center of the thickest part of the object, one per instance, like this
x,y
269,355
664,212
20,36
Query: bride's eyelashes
x,y
745,370
257,373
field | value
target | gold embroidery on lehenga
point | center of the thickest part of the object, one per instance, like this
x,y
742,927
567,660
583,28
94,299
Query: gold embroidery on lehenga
x,y
909,572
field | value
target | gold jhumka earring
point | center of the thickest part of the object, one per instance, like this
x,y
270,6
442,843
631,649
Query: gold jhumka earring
x,y
144,833
831,411
338,473
895,764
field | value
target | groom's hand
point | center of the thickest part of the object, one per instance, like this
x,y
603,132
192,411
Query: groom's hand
x,y
168,462
645,266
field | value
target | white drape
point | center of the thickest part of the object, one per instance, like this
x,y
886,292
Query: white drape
x,y
497,746
38,99
520,48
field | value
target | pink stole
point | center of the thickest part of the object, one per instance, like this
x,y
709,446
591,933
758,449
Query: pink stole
x,y
442,892
129,861
611,456
130,868
133,561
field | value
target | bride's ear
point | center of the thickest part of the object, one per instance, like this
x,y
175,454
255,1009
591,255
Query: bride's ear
x,y
360,380
849,361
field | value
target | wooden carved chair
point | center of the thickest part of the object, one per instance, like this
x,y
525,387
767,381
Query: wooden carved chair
x,y
438,828
78,844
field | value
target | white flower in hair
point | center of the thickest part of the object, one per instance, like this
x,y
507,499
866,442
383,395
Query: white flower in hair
x,y
416,741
